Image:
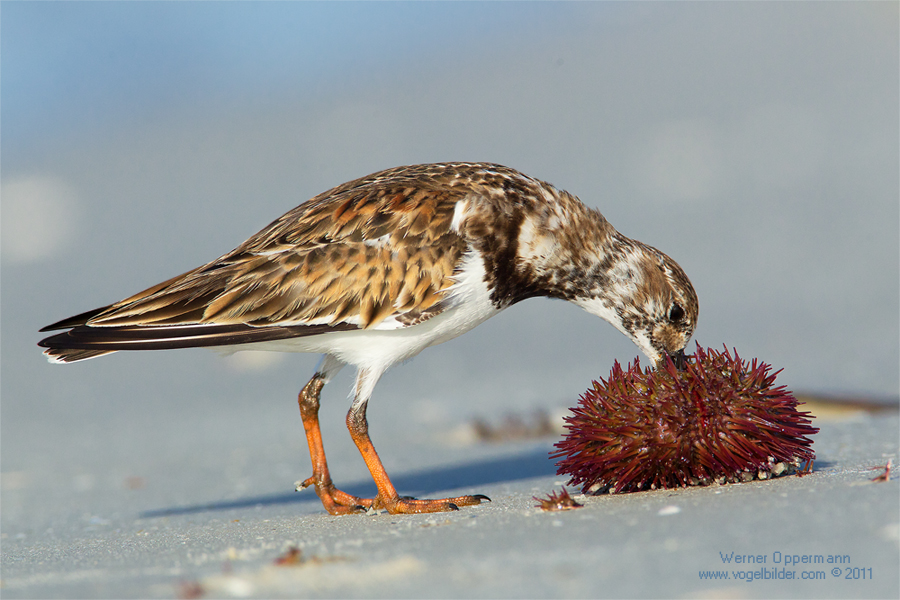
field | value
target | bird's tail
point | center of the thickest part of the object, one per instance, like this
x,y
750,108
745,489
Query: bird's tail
x,y
83,340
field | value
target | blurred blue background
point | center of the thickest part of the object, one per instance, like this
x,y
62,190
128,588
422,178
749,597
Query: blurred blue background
x,y
755,143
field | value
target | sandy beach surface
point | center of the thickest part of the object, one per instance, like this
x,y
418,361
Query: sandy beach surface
x,y
188,512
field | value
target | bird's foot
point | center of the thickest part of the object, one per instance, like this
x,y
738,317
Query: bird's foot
x,y
407,505
334,500
337,502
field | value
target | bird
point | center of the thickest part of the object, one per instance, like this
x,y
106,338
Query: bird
x,y
373,271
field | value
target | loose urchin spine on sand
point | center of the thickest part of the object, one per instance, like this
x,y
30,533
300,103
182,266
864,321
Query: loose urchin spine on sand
x,y
720,420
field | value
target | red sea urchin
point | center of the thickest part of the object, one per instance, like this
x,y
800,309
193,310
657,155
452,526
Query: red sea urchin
x,y
720,420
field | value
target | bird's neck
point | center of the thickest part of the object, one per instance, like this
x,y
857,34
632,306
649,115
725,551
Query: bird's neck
x,y
555,251
568,256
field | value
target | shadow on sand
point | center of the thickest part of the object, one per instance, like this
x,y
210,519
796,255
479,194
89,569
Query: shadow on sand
x,y
533,463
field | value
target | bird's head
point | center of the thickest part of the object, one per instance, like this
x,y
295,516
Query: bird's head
x,y
648,297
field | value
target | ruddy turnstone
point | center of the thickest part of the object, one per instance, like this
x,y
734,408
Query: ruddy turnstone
x,y
374,271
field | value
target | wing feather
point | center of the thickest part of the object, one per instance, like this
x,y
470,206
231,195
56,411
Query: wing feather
x,y
381,247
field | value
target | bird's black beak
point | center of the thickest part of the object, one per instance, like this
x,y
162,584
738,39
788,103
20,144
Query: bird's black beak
x,y
679,359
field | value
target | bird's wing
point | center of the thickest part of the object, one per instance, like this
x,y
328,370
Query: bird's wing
x,y
378,252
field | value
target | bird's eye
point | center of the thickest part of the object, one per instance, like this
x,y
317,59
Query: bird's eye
x,y
676,313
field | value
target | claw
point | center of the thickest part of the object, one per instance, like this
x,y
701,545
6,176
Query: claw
x,y
302,484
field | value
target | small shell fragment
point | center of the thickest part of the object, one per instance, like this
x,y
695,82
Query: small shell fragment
x,y
560,501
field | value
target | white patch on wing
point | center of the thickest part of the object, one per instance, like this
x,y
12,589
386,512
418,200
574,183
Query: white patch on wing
x,y
460,212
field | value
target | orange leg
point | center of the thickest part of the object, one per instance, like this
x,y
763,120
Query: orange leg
x,y
387,497
335,501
